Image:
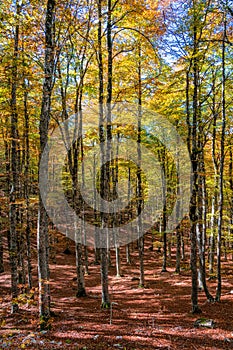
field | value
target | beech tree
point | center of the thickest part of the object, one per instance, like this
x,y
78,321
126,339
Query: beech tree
x,y
13,250
42,230
221,165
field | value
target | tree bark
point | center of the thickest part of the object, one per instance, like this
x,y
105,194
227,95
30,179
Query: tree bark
x,y
1,249
139,176
103,250
221,169
26,182
201,226
13,250
42,228
194,161
231,198
178,249
81,292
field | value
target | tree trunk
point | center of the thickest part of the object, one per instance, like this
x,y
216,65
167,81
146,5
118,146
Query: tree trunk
x,y
212,235
115,175
182,246
201,226
108,150
26,183
1,249
83,203
139,176
42,229
164,215
95,207
194,161
128,255
214,197
221,170
104,278
103,250
81,292
231,199
13,251
178,249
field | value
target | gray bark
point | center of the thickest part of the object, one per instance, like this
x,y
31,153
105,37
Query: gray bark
x,y
42,228
178,249
194,161
201,226
13,249
139,177
1,249
26,184
103,251
221,170
81,292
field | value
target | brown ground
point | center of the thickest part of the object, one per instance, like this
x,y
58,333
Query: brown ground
x,y
155,317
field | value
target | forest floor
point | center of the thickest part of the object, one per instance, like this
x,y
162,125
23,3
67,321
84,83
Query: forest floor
x,y
155,317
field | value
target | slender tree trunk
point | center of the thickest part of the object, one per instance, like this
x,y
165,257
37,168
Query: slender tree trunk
x,y
7,169
13,251
95,207
221,170
187,98
178,249
182,246
212,235
194,161
139,176
231,199
83,189
21,246
103,250
73,156
128,255
115,174
26,184
1,249
42,229
201,226
214,197
81,292
118,261
108,151
178,229
164,214
73,163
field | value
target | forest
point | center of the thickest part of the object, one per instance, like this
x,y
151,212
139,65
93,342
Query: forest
x,y
116,174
